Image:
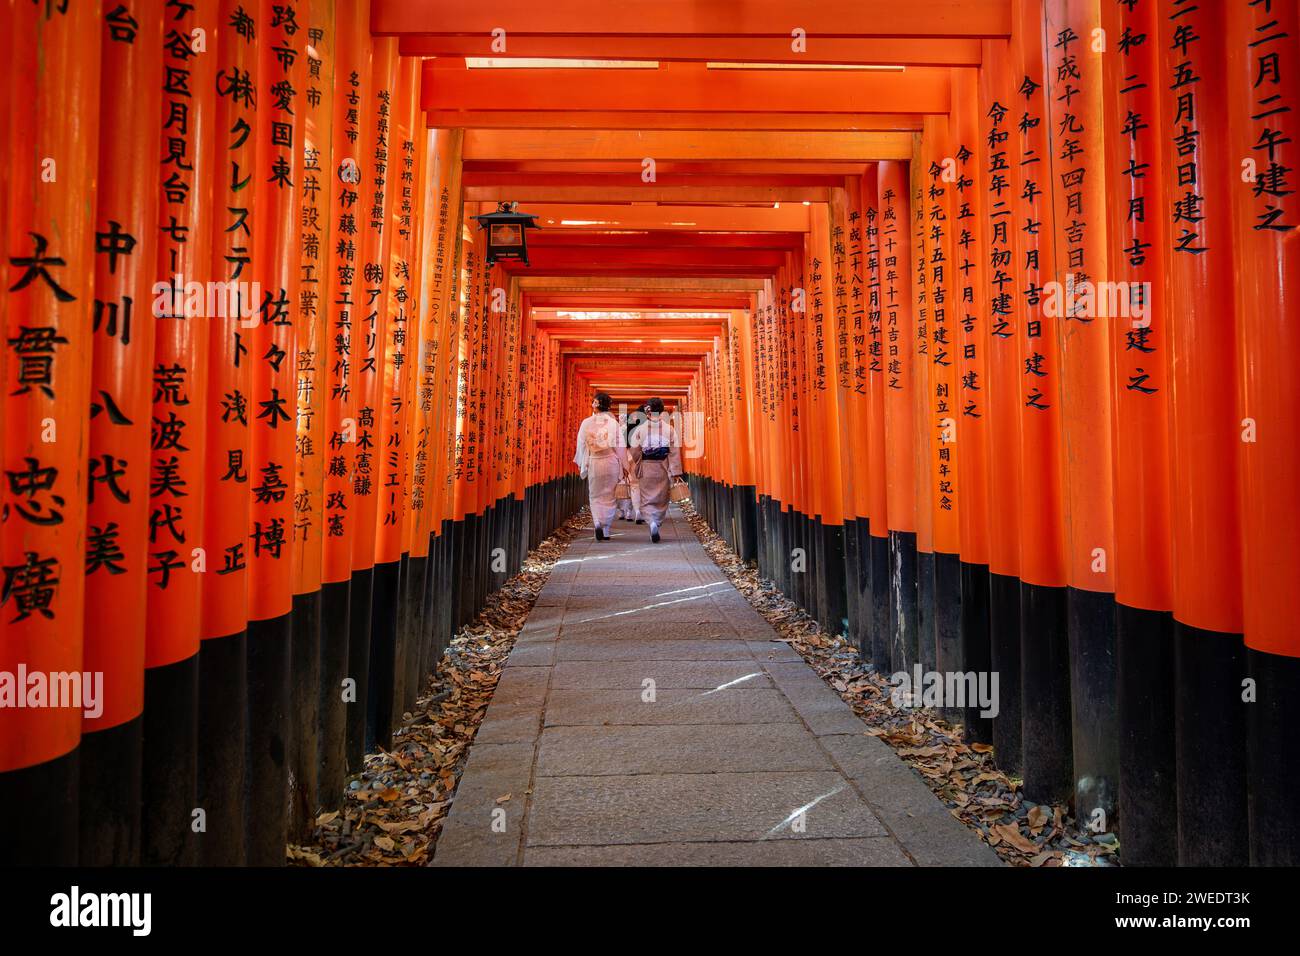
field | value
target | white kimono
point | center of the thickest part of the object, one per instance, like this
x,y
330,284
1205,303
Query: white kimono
x,y
654,477
631,508
600,461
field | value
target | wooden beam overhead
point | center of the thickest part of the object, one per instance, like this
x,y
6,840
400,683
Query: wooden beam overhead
x,y
733,145
640,285
791,217
650,192
656,119
686,87
930,51
669,173
665,239
580,301
771,18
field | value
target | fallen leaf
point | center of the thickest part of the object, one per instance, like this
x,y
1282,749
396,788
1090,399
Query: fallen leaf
x,y
1011,834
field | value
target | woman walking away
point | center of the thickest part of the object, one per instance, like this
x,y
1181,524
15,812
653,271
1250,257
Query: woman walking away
x,y
656,461
599,461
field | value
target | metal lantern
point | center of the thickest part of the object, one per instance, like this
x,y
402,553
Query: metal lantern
x,y
506,230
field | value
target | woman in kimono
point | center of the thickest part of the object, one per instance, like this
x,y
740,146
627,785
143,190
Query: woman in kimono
x,y
599,459
656,455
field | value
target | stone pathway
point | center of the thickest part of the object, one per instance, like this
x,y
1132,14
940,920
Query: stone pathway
x,y
647,715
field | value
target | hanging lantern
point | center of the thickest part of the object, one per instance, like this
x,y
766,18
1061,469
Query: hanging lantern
x,y
505,229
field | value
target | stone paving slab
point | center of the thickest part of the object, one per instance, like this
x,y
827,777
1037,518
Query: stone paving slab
x,y
702,675
745,757
691,807
875,851
731,706
741,748
631,649
625,629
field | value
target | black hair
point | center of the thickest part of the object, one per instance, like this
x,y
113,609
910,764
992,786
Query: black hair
x,y
602,401
655,406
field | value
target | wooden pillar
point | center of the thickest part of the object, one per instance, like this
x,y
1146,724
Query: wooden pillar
x,y
1044,640
124,545
998,181
943,426
876,359
1206,437
971,400
1137,223
375,388
898,333
1081,296
277,179
1263,51
311,308
227,501
49,290
920,445
182,559
337,371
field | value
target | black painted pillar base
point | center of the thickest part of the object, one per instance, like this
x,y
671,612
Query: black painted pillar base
x,y
1212,743
781,546
414,574
1274,759
804,582
40,806
110,795
859,584
304,716
332,730
852,577
1095,705
976,655
459,592
904,626
1004,652
1045,694
222,764
832,577
359,666
748,549
401,641
927,638
425,634
947,627
880,602
442,601
1148,776
476,566
169,767
270,646
383,646
446,599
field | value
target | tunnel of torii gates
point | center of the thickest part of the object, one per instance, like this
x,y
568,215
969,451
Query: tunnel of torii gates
x,y
979,318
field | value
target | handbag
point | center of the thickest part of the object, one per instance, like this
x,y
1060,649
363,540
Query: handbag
x,y
623,491
679,491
